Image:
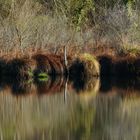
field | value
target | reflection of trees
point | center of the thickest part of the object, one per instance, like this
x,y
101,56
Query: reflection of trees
x,y
23,87
78,126
48,117
106,113
124,85
52,85
116,119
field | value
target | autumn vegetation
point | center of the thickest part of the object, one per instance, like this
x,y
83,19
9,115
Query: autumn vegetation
x,y
101,37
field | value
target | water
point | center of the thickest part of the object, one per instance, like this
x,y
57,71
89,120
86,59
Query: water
x,y
99,109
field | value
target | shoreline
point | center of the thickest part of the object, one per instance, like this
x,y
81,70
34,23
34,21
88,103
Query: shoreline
x,y
53,64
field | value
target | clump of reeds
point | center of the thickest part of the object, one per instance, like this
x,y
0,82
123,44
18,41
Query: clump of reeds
x,y
31,67
84,66
128,66
2,66
105,65
49,63
119,66
25,67
91,64
17,68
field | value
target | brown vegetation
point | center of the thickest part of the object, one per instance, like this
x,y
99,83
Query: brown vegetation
x,y
83,67
119,66
49,63
19,67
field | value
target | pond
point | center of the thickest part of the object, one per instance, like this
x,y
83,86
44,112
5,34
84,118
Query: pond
x,y
59,109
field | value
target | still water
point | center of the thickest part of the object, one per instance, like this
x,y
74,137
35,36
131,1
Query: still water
x,y
58,109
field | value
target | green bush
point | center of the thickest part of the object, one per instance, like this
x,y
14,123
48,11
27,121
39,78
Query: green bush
x,y
5,8
78,11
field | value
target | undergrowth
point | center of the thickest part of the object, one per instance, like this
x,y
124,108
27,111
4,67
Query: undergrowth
x,y
82,25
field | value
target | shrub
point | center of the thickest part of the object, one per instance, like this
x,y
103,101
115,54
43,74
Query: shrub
x,y
84,67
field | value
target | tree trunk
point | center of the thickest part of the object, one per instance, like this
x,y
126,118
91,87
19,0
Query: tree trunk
x,y
65,61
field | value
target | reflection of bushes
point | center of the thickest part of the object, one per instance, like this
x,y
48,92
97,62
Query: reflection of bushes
x,y
78,124
52,86
33,117
125,86
22,87
81,122
84,72
86,86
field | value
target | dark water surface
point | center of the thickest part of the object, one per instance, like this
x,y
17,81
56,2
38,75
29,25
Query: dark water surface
x,y
57,109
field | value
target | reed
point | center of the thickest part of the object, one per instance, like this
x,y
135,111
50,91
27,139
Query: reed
x,y
126,66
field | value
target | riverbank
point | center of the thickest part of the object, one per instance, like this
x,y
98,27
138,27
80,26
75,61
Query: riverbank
x,y
38,62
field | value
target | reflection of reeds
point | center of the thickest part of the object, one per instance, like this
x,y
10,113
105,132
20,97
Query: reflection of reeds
x,y
123,86
90,90
52,86
22,87
17,87
86,85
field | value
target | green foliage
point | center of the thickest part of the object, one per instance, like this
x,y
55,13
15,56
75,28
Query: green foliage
x,y
30,73
4,8
76,11
79,10
43,76
130,5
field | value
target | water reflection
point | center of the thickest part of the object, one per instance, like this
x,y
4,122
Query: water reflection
x,y
110,111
